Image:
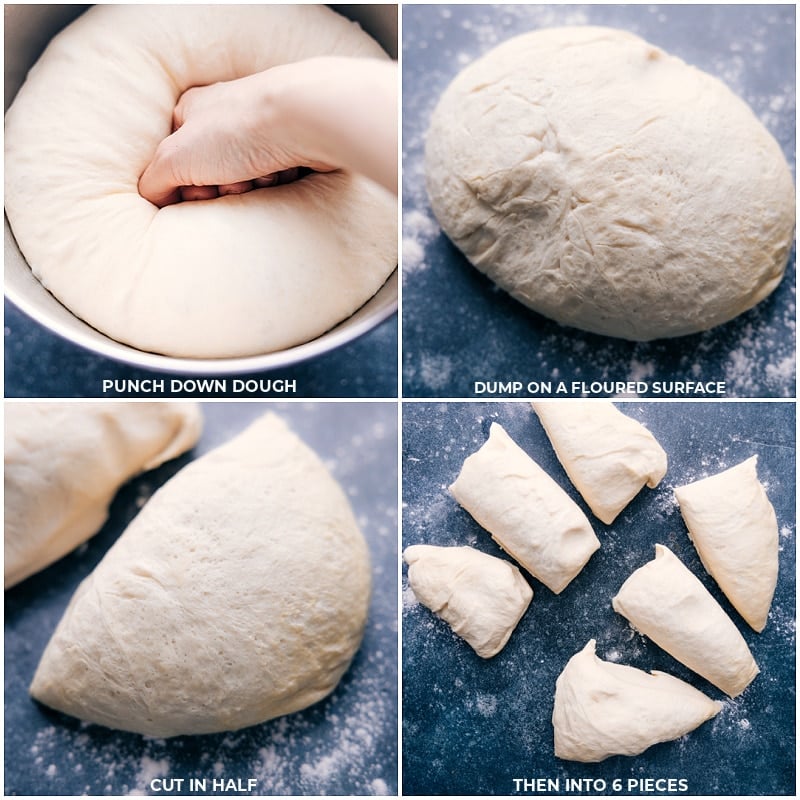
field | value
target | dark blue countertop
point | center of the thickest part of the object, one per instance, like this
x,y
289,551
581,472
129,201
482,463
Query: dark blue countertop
x,y
471,726
459,328
39,363
345,744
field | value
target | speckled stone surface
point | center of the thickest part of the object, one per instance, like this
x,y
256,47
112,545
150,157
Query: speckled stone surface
x,y
345,744
471,726
40,364
459,328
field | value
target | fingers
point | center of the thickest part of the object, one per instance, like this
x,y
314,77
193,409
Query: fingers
x,y
239,187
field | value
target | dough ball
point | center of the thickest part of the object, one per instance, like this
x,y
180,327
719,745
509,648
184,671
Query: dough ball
x,y
64,462
610,186
235,276
238,594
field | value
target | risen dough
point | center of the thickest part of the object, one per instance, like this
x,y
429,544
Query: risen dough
x,y
234,276
610,186
528,514
607,455
481,597
733,526
65,461
604,709
238,594
665,602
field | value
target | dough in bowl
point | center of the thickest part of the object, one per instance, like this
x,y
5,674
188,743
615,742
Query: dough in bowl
x,y
238,594
235,276
610,186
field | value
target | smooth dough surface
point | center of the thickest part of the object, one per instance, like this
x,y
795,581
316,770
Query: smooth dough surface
x,y
733,526
666,602
610,186
234,276
608,456
64,462
604,709
482,598
238,594
528,514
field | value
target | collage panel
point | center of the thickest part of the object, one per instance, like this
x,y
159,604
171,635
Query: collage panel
x,y
270,270
514,684
224,622
642,209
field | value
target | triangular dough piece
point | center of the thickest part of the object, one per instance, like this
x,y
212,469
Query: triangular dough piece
x,y
603,709
238,594
64,462
608,456
664,601
733,526
481,597
528,514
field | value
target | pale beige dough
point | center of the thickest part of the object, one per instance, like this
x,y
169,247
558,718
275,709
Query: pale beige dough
x,y
482,598
527,513
235,276
64,462
667,603
608,456
603,709
609,185
238,594
733,526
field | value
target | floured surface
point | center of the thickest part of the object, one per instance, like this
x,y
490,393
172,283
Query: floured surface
x,y
343,745
750,50
458,709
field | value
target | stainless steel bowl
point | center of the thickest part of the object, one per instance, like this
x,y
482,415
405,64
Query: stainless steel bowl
x,y
28,29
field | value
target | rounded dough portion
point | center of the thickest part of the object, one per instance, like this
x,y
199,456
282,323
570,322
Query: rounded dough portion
x,y
235,276
238,594
610,186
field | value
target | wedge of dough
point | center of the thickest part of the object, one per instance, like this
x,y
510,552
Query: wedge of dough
x,y
733,526
64,462
603,709
528,514
482,598
608,456
238,594
665,602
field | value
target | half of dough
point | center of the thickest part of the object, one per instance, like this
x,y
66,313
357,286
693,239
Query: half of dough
x,y
238,594
603,709
733,526
528,514
64,462
664,601
608,456
482,598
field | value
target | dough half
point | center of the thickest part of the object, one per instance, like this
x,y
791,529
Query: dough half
x,y
603,709
64,462
238,594
527,513
588,173
734,528
665,602
235,276
482,598
608,456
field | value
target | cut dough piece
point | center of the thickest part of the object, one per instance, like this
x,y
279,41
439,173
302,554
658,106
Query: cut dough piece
x,y
603,709
235,276
238,594
64,462
608,456
733,526
665,602
482,598
588,173
528,514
